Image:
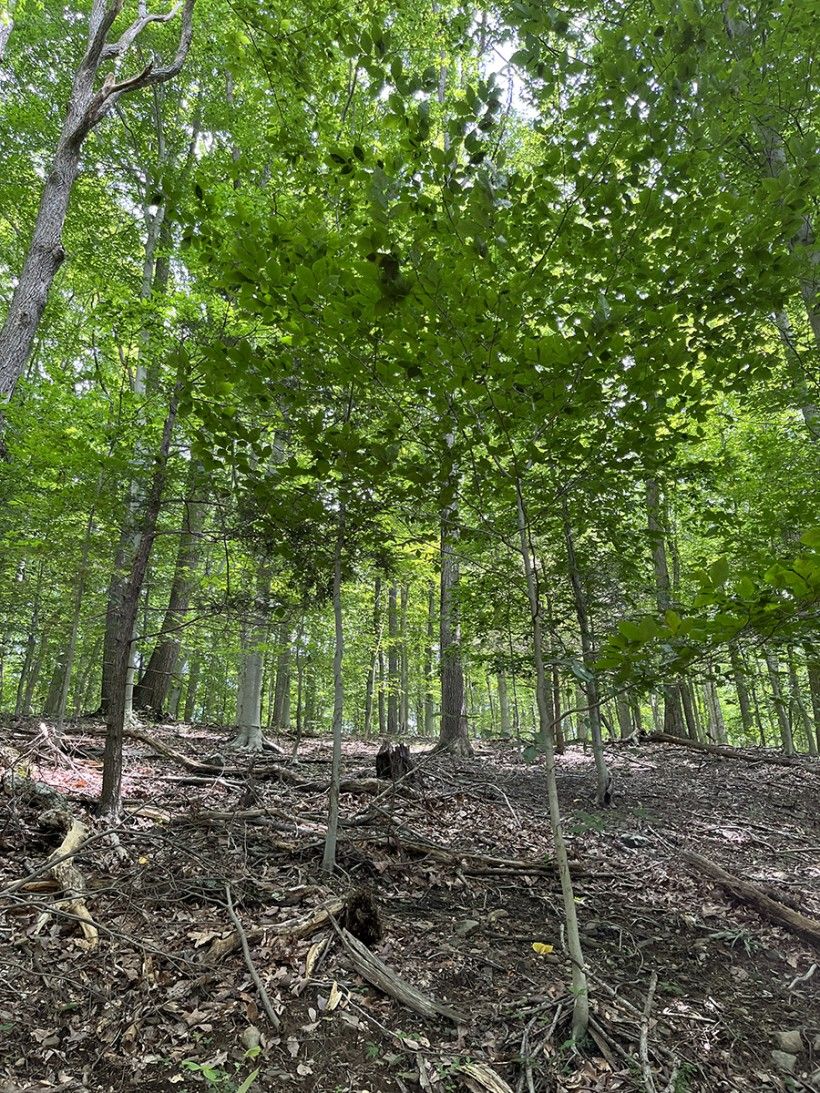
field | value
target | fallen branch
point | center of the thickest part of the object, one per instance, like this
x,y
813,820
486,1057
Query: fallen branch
x,y
769,908
246,953
727,752
295,928
376,972
643,1048
473,861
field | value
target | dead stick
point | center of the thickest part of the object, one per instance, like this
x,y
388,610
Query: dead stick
x,y
246,952
643,1047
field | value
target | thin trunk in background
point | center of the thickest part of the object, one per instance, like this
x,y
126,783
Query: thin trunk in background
x,y
329,856
797,707
111,794
254,634
453,737
739,677
779,704
404,662
503,704
580,1006
192,687
429,664
151,691
590,683
392,663
673,719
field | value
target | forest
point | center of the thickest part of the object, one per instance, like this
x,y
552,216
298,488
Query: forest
x,y
410,546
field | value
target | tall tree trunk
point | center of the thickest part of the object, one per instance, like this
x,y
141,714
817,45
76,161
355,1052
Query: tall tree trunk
x,y
673,719
111,795
623,714
503,704
580,1011
779,704
35,668
151,691
404,662
373,675
590,684
689,711
192,687
739,676
31,641
429,659
251,667
813,671
799,714
392,663
329,856
453,737
761,728
716,729
280,714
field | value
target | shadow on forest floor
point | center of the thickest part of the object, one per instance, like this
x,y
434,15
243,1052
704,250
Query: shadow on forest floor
x,y
163,1002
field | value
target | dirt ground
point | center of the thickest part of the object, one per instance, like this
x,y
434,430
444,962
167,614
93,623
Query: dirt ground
x,y
459,861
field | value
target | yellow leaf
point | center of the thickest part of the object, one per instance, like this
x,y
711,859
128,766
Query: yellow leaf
x,y
144,861
542,948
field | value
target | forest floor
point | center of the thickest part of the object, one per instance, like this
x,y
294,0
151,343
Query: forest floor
x,y
166,1001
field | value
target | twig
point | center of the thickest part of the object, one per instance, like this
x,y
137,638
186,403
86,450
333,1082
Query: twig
x,y
526,1064
646,1069
246,952
804,978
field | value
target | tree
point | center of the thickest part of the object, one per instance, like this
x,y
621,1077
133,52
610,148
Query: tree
x,y
87,106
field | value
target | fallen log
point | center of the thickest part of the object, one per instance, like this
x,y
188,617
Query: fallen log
x,y
725,751
771,909
376,972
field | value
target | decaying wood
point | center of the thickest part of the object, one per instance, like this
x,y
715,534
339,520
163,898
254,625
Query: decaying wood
x,y
295,928
69,878
727,752
376,972
772,909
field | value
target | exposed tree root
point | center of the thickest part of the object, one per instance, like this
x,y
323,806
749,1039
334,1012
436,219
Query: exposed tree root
x,y
771,909
68,877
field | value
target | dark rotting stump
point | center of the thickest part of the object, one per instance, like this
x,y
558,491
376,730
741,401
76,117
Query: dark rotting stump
x,y
393,761
360,917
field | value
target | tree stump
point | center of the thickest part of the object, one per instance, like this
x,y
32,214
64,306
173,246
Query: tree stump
x,y
393,761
